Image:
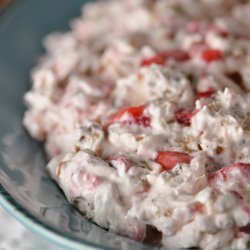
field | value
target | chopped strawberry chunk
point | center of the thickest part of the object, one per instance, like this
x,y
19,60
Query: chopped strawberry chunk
x,y
169,159
184,116
135,112
135,116
157,59
210,55
143,121
205,94
234,172
162,57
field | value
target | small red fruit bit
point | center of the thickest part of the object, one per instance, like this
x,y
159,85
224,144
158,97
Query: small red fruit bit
x,y
135,112
205,94
210,55
135,116
157,59
184,116
169,159
162,57
226,174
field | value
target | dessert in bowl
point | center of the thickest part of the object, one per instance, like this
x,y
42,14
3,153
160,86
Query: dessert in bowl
x,y
143,108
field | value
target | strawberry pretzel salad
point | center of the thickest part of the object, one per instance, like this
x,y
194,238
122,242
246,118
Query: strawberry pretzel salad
x,y
144,111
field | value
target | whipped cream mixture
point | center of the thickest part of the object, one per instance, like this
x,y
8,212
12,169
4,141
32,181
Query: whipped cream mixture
x,y
144,109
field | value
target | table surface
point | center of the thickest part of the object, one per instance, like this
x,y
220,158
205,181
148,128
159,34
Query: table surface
x,y
14,236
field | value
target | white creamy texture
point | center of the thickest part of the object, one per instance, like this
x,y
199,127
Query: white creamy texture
x,y
153,83
145,113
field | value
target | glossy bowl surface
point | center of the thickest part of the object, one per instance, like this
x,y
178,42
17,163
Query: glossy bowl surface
x,y
26,190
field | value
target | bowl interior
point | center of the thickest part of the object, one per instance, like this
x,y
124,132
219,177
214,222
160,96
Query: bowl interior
x,y
22,161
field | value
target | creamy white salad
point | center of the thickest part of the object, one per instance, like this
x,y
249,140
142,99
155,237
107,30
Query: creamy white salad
x,y
144,111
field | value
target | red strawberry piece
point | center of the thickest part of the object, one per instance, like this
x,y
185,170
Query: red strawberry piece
x,y
162,57
210,55
135,116
205,94
169,159
234,172
184,116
